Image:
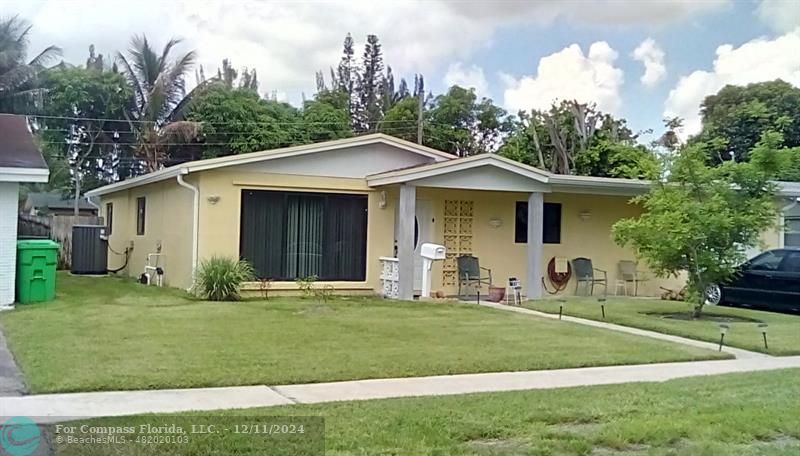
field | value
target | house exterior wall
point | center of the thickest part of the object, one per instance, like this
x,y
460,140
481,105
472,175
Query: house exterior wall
x,y
168,223
220,222
9,199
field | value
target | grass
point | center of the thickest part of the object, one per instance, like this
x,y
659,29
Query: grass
x,y
111,334
753,414
783,332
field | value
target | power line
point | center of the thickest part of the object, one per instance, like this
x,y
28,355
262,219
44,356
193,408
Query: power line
x,y
98,119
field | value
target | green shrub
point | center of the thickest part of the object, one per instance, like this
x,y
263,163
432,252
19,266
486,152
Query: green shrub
x,y
220,278
306,285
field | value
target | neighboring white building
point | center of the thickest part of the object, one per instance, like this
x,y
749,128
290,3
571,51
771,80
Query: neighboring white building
x,y
20,161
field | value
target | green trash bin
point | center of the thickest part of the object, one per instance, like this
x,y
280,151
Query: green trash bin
x,y
36,270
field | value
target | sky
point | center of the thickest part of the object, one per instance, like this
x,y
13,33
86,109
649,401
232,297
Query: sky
x,y
642,60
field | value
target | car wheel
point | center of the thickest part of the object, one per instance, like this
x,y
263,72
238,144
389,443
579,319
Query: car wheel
x,y
713,294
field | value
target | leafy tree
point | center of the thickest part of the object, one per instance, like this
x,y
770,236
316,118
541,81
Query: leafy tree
x,y
575,138
77,104
781,163
401,120
19,81
236,121
159,98
326,118
700,220
735,118
607,158
461,125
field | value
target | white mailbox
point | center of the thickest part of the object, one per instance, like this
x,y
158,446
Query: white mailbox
x,y
429,253
432,251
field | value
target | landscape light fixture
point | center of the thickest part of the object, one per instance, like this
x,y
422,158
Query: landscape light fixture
x,y
723,329
561,303
602,302
762,328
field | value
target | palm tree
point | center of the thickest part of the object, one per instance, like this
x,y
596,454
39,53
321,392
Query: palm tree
x,y
18,80
160,98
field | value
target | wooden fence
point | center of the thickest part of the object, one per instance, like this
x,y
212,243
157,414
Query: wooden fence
x,y
57,228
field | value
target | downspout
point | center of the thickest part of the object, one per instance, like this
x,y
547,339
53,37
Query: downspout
x,y
89,200
195,215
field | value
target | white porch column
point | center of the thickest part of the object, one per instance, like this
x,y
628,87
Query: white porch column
x,y
405,240
535,244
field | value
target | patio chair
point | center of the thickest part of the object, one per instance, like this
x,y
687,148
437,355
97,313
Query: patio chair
x,y
470,273
628,273
585,273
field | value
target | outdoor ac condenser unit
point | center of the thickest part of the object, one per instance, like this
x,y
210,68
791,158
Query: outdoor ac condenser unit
x,y
89,250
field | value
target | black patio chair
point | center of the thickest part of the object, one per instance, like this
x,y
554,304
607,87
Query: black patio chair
x,y
470,273
585,273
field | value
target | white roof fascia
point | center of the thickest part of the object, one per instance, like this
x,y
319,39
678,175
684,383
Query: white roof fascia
x,y
13,174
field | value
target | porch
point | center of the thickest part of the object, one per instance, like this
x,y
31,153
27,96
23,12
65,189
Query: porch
x,y
510,217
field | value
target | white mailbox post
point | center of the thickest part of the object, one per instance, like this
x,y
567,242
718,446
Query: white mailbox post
x,y
429,253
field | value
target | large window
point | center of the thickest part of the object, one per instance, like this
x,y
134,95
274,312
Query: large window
x,y
551,233
791,233
791,237
109,218
141,210
288,235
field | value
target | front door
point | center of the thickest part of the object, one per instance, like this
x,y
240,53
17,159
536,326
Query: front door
x,y
423,232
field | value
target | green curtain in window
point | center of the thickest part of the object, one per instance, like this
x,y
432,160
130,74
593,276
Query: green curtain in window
x,y
291,235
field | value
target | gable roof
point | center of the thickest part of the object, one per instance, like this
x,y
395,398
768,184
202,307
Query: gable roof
x,y
274,154
460,164
53,200
20,158
555,182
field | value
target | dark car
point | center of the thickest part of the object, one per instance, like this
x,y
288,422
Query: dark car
x,y
770,280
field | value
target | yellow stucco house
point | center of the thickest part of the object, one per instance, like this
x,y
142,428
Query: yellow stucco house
x,y
347,210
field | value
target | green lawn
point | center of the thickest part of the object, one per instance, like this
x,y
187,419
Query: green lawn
x,y
753,414
783,332
109,333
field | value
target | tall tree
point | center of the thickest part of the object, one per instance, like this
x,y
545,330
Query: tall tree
x,y
370,108
159,98
575,138
236,121
326,118
76,128
19,82
460,124
401,119
346,72
735,118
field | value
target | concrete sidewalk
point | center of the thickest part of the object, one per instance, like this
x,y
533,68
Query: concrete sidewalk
x,y
737,352
11,380
62,407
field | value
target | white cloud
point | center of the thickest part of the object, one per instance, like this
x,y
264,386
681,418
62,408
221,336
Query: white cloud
x,y
566,75
471,77
755,61
287,41
598,12
651,55
780,15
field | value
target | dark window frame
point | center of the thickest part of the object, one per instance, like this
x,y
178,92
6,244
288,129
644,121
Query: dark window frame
x,y
141,215
552,225
109,218
266,213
